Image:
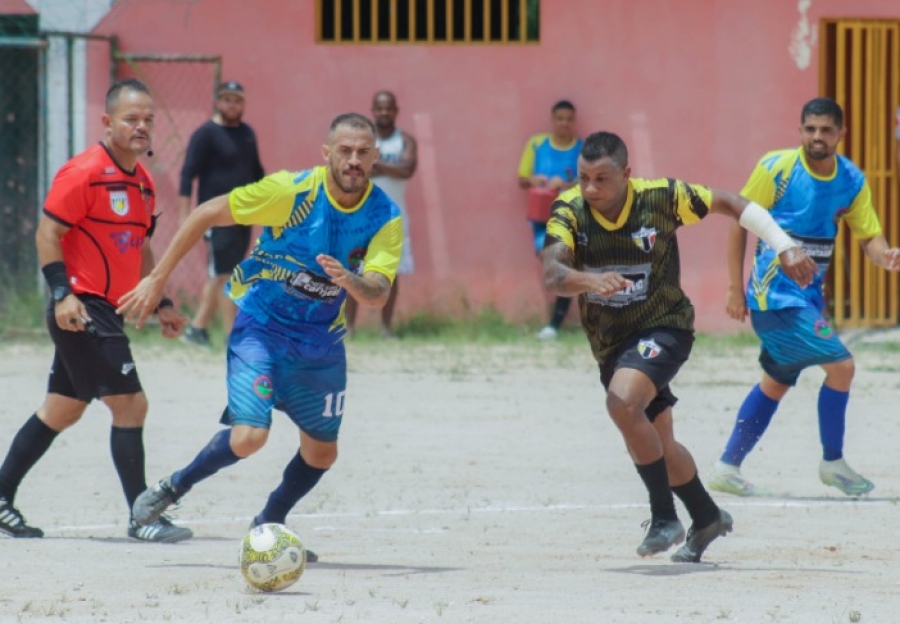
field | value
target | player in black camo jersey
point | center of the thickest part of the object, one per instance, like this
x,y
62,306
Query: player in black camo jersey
x,y
611,241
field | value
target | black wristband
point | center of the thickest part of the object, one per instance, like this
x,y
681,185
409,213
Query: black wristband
x,y
56,276
165,302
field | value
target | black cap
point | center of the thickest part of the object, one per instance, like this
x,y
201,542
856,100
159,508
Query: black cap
x,y
230,87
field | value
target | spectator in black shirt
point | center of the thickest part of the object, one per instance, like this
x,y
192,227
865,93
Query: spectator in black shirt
x,y
222,154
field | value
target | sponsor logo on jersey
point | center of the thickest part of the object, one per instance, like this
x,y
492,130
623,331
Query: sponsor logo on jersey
x,y
823,329
648,349
125,241
311,286
638,276
644,238
262,386
118,201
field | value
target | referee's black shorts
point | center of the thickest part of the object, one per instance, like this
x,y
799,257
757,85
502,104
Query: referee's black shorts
x,y
88,366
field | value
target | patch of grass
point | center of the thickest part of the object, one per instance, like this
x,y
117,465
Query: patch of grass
x,y
876,347
484,326
725,342
22,312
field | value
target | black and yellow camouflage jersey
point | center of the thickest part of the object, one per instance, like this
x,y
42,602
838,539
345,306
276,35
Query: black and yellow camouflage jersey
x,y
641,246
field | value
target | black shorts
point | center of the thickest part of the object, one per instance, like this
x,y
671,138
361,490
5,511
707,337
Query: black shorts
x,y
658,353
228,245
89,366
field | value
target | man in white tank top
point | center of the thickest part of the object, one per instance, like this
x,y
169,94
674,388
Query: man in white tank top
x,y
396,164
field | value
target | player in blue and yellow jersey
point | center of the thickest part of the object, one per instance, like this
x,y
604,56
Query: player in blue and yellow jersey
x,y
808,191
612,242
548,166
328,233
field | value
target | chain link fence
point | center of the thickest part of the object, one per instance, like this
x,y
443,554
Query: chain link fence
x,y
183,87
42,124
51,104
21,129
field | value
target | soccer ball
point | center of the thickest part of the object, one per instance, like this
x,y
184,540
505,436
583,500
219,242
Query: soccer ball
x,y
272,557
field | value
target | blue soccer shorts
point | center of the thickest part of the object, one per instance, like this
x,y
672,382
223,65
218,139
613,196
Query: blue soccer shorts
x,y
269,370
793,339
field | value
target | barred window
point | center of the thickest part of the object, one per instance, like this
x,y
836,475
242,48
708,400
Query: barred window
x,y
427,21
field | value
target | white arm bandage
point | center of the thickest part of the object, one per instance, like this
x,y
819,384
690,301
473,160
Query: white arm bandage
x,y
757,220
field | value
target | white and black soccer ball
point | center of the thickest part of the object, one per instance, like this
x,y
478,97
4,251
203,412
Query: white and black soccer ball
x,y
272,557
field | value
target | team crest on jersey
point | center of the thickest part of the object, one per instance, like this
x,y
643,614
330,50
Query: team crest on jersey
x,y
118,201
648,349
356,260
840,214
823,329
644,238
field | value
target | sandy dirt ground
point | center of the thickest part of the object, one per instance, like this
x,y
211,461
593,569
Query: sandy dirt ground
x,y
475,484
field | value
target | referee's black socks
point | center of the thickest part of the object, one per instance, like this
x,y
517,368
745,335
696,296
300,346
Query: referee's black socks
x,y
29,445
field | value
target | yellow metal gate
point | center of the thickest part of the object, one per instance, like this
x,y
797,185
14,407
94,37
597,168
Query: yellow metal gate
x,y
860,69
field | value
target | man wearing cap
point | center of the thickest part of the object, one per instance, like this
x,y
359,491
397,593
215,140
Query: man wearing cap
x,y
222,155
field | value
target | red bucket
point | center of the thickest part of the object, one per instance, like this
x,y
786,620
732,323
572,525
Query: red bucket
x,y
540,199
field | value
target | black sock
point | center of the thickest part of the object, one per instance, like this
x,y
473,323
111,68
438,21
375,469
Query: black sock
x,y
127,447
217,454
698,502
656,479
29,445
298,479
560,309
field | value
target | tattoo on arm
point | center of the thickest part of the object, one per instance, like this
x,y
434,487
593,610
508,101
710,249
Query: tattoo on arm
x,y
558,262
370,286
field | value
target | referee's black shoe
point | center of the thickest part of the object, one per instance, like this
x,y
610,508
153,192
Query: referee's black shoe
x,y
161,530
13,523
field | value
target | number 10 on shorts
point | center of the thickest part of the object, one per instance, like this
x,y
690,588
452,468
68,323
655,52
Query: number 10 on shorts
x,y
334,404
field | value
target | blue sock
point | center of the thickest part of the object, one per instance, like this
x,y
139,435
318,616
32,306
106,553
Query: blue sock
x,y
299,478
832,418
752,420
217,454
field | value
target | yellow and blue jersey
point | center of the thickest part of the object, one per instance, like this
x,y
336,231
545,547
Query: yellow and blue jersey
x,y
281,284
809,208
542,157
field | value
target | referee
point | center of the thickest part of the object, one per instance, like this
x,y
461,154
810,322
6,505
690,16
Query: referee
x,y
92,247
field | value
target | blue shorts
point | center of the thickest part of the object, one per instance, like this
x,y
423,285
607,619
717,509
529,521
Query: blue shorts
x,y
539,231
793,339
269,370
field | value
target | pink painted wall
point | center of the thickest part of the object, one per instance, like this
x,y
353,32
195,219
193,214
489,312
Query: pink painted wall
x,y
702,102
13,7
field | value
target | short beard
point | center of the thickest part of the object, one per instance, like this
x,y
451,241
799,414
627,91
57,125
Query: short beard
x,y
818,156
337,180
